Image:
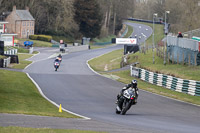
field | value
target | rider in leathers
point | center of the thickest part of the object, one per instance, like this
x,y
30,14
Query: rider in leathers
x,y
133,84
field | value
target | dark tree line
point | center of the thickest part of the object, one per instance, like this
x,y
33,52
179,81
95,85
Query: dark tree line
x,y
76,18
93,18
88,17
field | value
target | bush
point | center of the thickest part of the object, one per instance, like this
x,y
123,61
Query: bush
x,y
41,38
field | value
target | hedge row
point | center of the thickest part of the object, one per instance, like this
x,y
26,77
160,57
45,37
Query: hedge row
x,y
41,38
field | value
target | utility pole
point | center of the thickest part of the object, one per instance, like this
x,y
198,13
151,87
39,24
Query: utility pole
x,y
154,15
166,12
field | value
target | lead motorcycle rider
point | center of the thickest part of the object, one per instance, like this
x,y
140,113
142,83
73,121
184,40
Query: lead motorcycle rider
x,y
132,85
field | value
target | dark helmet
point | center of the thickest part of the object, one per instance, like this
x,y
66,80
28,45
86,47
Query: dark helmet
x,y
134,83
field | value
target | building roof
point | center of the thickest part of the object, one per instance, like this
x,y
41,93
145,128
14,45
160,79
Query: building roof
x,y
7,34
24,15
3,22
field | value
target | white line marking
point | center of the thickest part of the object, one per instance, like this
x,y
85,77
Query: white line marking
x,y
87,118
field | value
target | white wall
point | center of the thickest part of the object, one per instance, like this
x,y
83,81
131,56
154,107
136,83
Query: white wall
x,y
8,40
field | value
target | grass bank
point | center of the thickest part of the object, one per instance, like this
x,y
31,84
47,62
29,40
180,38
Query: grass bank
x,y
40,130
19,95
98,64
107,62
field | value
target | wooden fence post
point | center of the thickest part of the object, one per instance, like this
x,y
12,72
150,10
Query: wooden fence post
x,y
189,59
183,59
168,57
195,60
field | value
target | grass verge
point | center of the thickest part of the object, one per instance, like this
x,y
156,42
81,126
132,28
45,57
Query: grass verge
x,y
130,31
36,43
177,70
40,130
19,95
108,61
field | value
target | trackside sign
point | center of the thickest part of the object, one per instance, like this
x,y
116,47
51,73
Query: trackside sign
x,y
126,41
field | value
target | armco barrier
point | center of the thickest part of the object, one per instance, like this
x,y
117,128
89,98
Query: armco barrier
x,y
181,85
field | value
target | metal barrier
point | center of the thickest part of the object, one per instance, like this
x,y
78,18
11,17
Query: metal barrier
x,y
180,85
183,43
183,50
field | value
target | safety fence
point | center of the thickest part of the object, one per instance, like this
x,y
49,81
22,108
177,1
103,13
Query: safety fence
x,y
191,44
146,21
183,50
180,85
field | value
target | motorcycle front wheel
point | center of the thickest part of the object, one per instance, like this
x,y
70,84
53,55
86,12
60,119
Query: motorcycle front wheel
x,y
126,106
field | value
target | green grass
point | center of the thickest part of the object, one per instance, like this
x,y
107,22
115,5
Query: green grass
x,y
96,46
109,61
37,43
65,39
105,39
40,130
2,57
177,70
130,31
19,95
22,61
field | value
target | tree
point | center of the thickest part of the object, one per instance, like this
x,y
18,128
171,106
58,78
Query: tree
x,y
88,16
55,17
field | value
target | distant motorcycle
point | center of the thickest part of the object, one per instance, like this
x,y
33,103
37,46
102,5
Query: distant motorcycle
x,y
126,101
56,65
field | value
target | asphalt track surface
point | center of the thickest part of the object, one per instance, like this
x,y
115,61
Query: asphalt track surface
x,y
84,92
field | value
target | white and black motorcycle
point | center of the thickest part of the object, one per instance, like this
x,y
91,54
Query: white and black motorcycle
x,y
126,101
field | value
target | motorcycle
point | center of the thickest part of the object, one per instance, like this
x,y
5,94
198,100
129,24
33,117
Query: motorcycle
x,y
56,65
126,101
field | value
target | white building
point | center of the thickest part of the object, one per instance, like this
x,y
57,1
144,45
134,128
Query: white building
x,y
4,36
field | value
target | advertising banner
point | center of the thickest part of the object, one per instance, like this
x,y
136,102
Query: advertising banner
x,y
126,41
